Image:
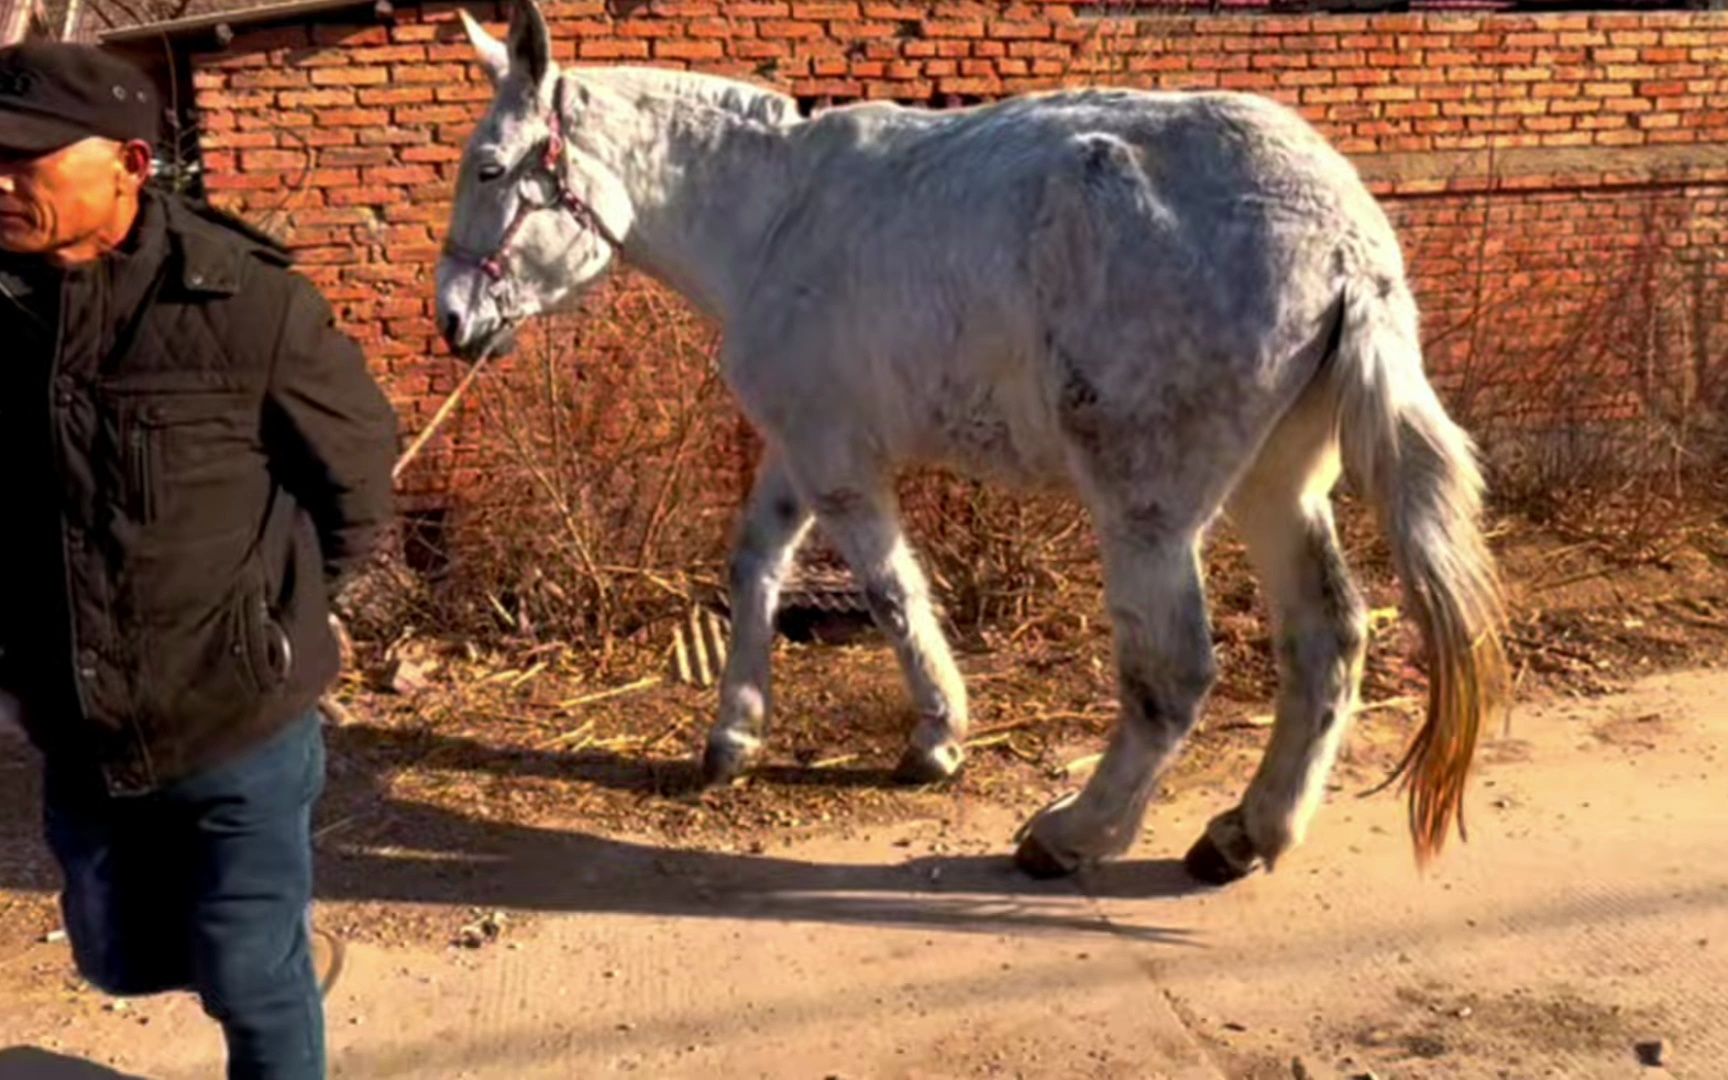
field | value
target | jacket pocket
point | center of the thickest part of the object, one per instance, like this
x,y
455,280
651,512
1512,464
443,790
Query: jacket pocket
x,y
174,438
268,651
142,474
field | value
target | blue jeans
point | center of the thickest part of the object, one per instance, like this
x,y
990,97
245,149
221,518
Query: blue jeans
x,y
205,885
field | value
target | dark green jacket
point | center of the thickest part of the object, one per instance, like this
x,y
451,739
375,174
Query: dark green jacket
x,y
192,457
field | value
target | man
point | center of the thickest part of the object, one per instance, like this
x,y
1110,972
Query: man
x,y
192,459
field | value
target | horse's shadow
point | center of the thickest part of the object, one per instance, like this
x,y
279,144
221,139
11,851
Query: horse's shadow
x,y
378,847
599,768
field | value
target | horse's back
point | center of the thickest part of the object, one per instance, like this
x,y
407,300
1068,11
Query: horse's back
x,y
950,274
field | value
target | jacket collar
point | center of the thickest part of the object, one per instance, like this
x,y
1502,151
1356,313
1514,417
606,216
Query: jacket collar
x,y
211,248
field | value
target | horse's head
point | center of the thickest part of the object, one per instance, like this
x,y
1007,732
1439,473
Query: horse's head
x,y
535,218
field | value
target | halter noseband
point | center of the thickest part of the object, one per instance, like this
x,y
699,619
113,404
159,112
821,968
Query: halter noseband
x,y
564,197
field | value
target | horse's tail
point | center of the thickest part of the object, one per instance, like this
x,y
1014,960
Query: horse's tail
x,y
1420,469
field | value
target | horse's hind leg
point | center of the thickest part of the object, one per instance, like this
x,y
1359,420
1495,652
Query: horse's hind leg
x,y
1165,670
1319,628
858,514
775,520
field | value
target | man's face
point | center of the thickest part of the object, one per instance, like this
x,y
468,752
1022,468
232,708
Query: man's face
x,y
62,199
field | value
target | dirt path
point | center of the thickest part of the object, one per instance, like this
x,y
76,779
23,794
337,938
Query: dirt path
x,y
1588,914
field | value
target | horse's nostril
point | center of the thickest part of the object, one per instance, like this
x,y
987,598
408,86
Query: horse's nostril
x,y
451,325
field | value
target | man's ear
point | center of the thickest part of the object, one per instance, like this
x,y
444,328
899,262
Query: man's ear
x,y
137,161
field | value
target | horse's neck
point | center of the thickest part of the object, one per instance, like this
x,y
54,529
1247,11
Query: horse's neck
x,y
706,184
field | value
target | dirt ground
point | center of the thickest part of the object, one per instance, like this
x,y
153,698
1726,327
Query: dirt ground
x,y
817,920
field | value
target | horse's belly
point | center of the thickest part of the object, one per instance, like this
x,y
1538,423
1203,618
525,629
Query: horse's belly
x,y
995,433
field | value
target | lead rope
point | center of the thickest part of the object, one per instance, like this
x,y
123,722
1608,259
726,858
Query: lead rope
x,y
439,417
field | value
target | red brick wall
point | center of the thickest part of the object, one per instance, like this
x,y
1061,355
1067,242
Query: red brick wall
x,y
1531,162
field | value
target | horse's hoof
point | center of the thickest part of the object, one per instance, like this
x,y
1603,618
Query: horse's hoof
x,y
918,767
722,764
1206,862
1038,862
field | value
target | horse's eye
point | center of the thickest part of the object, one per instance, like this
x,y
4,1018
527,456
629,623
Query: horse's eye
x,y
489,173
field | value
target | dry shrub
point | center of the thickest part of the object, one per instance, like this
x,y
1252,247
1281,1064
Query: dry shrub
x,y
604,467
998,556
1618,427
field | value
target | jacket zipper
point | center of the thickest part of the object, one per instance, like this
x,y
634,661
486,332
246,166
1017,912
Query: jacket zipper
x,y
57,424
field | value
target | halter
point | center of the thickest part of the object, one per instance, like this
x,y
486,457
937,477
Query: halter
x,y
564,197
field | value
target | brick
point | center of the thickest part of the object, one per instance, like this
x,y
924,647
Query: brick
x,y
1218,62
256,160
329,137
243,181
613,50
236,140
394,136
688,50
1008,30
315,99
397,95
368,196
789,29
270,79
963,85
463,94
397,54
1405,109
431,114
431,154
359,155
761,50
1248,80
952,28
1363,77
400,174
813,9
353,117
330,178
843,88
431,73
239,100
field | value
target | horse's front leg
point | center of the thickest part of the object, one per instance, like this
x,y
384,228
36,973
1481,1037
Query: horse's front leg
x,y
775,522
858,513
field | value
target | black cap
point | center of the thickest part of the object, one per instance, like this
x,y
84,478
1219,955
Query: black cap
x,y
53,94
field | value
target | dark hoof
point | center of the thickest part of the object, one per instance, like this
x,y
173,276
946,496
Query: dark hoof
x,y
917,769
721,765
1036,861
1205,862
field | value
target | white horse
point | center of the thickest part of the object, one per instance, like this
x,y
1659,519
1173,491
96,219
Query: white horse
x,y
1175,304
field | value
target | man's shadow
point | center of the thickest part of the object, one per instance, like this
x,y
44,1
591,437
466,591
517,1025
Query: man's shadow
x,y
34,1063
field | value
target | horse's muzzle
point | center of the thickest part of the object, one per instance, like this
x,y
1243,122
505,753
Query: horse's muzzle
x,y
469,346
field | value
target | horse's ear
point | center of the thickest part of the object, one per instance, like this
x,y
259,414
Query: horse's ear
x,y
530,41
493,56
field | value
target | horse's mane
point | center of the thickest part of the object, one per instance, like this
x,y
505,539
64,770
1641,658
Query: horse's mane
x,y
755,103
